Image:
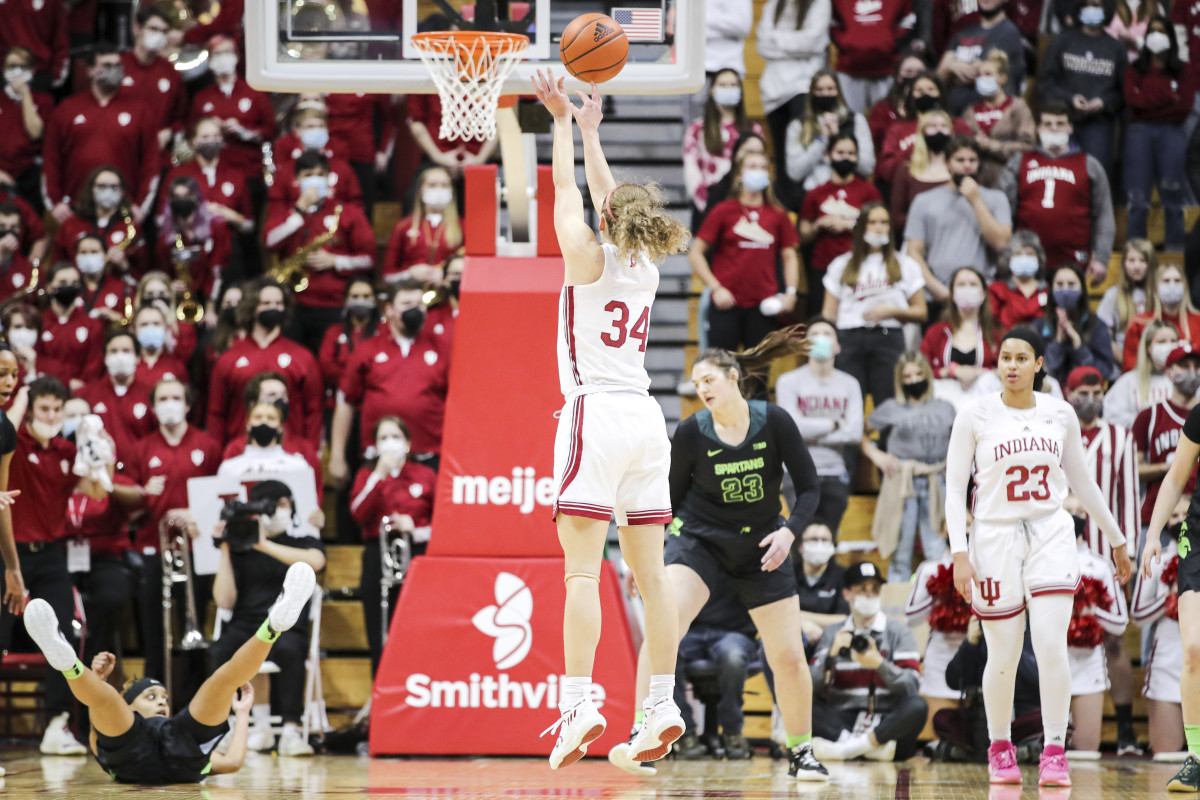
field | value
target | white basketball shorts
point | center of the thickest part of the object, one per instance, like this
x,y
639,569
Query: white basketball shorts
x,y
1089,670
612,459
1165,664
940,648
1016,561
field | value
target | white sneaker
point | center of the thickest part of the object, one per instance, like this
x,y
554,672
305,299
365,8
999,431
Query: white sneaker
x,y
578,726
619,757
661,726
58,740
260,741
846,748
291,743
42,624
885,752
297,592
2,772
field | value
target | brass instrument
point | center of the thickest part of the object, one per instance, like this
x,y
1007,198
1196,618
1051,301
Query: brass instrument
x,y
130,230
175,549
291,270
268,158
395,555
188,309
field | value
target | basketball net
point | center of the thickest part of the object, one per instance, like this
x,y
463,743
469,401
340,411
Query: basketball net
x,y
469,69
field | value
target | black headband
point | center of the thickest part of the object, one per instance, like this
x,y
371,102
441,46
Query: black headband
x,y
139,686
1030,337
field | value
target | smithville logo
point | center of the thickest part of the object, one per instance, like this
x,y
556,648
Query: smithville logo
x,y
508,621
522,490
600,32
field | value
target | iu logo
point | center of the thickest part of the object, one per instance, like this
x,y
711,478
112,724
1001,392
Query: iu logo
x,y
508,621
990,590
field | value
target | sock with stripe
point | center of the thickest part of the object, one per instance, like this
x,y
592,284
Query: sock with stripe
x,y
1192,732
795,741
266,633
75,671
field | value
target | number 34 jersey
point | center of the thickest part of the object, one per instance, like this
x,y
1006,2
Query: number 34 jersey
x,y
603,327
1018,456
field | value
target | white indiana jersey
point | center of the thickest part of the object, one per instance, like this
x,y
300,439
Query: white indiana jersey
x,y
603,327
1018,457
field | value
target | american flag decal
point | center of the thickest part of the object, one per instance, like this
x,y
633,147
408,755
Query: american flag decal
x,y
640,24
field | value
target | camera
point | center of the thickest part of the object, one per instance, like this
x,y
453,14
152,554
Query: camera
x,y
241,522
859,643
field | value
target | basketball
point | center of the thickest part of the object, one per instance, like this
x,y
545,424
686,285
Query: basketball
x,y
594,48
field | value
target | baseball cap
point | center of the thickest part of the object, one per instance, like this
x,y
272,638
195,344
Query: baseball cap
x,y
858,573
1182,351
1081,375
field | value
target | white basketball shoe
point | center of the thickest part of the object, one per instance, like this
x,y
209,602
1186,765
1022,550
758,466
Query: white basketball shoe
x,y
661,726
578,726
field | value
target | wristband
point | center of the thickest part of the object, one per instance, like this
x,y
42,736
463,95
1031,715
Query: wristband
x,y
790,291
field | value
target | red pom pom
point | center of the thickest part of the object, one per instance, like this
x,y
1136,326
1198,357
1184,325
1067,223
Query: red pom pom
x,y
1171,571
1085,632
1171,606
950,612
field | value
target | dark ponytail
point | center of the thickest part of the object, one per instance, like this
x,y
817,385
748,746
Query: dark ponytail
x,y
754,365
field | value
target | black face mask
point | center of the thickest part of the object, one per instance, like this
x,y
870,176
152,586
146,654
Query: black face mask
x,y
210,150
264,435
844,167
936,142
957,178
271,318
926,103
413,320
151,299
453,287
995,12
9,232
66,295
183,207
824,104
360,309
914,390
1176,530
229,315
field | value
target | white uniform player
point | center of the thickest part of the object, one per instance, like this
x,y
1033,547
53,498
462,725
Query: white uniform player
x,y
1089,670
611,452
942,645
1166,655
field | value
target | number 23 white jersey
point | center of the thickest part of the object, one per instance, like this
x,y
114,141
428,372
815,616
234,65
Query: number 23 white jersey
x,y
603,327
1018,456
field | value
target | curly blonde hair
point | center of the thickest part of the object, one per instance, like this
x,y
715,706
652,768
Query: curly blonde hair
x,y
636,223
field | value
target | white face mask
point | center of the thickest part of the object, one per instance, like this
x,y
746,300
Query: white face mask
x,y
154,41
23,338
986,85
437,197
277,522
170,412
876,239
1054,140
394,447
1023,266
728,96
1159,352
1158,42
17,75
866,606
816,554
106,197
968,298
318,182
90,263
45,430
120,365
223,63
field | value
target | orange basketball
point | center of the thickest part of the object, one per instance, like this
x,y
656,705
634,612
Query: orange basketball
x,y
593,48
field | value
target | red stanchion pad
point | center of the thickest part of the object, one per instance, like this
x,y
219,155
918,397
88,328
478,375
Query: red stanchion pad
x,y
474,657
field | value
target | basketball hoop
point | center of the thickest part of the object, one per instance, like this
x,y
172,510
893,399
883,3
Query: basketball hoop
x,y
469,69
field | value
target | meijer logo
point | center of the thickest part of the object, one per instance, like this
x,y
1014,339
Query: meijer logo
x,y
508,621
522,490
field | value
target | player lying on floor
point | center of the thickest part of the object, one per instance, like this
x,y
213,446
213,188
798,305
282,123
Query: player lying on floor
x,y
134,736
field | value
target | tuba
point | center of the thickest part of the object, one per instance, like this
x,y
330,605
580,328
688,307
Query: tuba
x,y
175,549
188,309
395,555
291,271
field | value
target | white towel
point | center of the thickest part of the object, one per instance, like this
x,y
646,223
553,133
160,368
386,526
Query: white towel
x,y
93,452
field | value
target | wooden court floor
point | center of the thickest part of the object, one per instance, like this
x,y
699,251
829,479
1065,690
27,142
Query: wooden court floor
x,y
265,778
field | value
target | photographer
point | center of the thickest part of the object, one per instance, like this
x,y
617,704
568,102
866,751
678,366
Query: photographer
x,y
867,650
258,543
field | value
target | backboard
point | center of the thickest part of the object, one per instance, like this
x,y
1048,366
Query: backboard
x,y
363,45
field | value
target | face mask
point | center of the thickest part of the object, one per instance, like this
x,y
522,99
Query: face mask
x,y
915,390
209,150
152,337
1091,15
23,338
170,412
413,320
1186,383
229,315
120,365
264,435
453,287
270,318
70,425
183,207
153,299
223,63
154,41
1158,42
277,522
437,197
755,180
876,239
866,606
844,167
992,13
968,298
45,430
1158,352
1171,293
360,309
109,79
1023,266
957,178
106,197
824,104
18,75
926,103
314,138
986,85
1067,298
820,348
1054,140
936,142
727,96
66,295
1087,408
393,448
816,554
90,263
318,182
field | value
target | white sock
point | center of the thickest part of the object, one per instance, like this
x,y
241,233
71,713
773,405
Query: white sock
x,y
573,690
1049,619
1005,639
662,686
260,714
